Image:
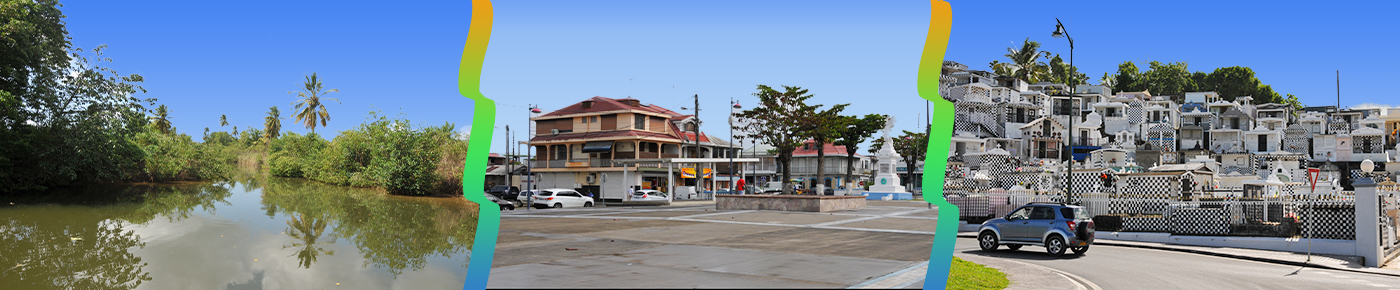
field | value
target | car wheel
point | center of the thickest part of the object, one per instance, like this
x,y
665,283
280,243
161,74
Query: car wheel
x,y
1080,249
559,205
1013,247
1055,245
988,241
587,204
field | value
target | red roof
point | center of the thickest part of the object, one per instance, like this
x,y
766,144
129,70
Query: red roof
x,y
598,135
601,104
829,149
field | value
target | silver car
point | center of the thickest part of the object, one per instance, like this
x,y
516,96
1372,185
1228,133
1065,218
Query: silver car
x,y
1056,226
649,195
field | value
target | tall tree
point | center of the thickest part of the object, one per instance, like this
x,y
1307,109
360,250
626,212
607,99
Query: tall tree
x,y
777,121
33,48
161,120
913,146
823,127
1061,72
1168,78
272,124
1025,62
1128,78
1233,82
310,107
223,120
856,131
1106,80
1265,94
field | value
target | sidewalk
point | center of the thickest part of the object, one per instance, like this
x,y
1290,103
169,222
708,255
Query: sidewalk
x,y
1344,263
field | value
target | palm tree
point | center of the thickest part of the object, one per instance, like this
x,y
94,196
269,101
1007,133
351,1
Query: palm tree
x,y
235,131
310,108
307,231
272,124
223,120
1025,62
162,119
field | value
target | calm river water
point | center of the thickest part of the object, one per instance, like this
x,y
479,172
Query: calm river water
x,y
249,233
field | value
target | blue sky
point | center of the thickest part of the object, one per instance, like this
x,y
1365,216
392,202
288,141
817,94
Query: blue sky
x,y
556,53
206,58
1294,47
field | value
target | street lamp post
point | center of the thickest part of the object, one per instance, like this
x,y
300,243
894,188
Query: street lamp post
x,y
529,172
1069,166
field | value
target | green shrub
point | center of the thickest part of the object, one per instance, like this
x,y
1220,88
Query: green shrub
x,y
284,165
168,157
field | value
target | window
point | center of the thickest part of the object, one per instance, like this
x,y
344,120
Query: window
x,y
640,122
1112,112
1043,213
593,119
1263,143
1020,115
583,120
1198,120
1020,214
1234,123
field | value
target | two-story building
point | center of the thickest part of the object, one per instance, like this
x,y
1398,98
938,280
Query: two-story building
x,y
586,145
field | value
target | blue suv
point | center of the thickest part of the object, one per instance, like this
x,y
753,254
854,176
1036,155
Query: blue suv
x,y
1056,226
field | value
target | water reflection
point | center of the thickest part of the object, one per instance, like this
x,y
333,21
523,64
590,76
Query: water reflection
x,y
307,230
233,234
74,241
391,232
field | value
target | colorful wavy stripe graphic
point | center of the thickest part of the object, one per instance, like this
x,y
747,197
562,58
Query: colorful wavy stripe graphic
x,y
940,135
488,221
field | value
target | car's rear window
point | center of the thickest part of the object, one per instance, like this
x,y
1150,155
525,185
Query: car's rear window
x,y
546,193
1075,213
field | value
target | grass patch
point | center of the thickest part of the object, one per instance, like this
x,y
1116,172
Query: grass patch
x,y
969,275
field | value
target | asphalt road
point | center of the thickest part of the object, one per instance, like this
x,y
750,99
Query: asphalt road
x,y
1112,267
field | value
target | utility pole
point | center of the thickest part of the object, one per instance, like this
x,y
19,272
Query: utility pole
x,y
699,176
509,174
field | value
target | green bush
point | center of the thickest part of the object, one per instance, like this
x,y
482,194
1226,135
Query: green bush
x,y
168,157
284,165
384,153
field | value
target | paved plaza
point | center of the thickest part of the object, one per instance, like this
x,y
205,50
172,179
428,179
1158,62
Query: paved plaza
x,y
885,245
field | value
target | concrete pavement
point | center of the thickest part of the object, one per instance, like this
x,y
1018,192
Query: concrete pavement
x,y
690,246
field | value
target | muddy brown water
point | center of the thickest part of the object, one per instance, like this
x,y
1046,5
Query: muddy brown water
x,y
254,232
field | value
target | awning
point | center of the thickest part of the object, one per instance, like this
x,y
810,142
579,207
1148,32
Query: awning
x,y
597,147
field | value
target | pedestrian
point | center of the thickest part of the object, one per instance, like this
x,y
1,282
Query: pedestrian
x,y
739,185
630,191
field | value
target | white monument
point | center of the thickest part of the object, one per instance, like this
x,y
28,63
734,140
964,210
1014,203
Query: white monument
x,y
886,182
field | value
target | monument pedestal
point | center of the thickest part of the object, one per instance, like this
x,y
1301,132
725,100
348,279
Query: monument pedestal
x,y
886,183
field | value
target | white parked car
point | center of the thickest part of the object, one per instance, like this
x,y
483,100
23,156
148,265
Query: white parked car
x,y
524,196
561,198
648,195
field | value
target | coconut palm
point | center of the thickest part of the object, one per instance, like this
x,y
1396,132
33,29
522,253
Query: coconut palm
x,y
1025,62
272,124
223,120
161,120
307,230
311,108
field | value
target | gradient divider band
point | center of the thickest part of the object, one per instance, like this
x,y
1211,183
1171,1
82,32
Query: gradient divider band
x,y
488,221
940,135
